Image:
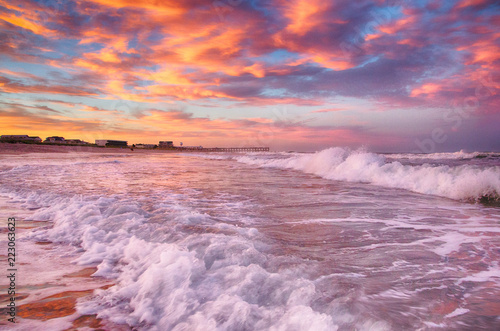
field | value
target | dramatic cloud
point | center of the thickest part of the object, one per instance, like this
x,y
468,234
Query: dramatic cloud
x,y
225,64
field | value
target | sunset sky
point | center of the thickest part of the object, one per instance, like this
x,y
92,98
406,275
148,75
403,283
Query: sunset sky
x,y
419,76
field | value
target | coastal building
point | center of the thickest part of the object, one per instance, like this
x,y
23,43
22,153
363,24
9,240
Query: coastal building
x,y
145,146
20,138
166,144
111,143
55,140
76,142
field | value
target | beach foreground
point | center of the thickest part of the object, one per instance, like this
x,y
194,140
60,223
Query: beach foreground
x,y
336,240
7,148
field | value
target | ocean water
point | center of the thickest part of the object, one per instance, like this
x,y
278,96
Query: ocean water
x,y
333,240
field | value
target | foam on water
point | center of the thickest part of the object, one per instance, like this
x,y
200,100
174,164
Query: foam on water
x,y
465,182
200,281
438,156
188,256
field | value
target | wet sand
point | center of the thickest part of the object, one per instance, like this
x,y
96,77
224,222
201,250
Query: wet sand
x,y
45,292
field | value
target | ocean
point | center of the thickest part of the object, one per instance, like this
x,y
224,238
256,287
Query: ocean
x,y
334,240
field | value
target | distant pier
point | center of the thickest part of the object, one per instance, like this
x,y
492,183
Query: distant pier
x,y
224,149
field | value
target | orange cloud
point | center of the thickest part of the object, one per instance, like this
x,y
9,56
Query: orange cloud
x,y
15,119
404,23
301,15
468,3
426,89
25,24
328,58
182,92
485,51
26,17
332,62
305,16
163,7
8,86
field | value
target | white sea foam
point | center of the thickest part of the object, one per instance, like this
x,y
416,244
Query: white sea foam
x,y
457,312
460,182
437,156
490,275
209,281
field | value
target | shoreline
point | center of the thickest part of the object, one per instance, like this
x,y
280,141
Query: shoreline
x,y
19,148
47,289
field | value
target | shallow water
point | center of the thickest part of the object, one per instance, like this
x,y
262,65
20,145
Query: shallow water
x,y
334,240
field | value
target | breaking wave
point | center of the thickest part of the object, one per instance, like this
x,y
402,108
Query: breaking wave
x,y
169,277
464,182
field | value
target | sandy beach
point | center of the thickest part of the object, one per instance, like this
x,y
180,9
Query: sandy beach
x,y
16,149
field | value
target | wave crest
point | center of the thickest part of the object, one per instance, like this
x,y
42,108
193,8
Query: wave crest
x,y
465,182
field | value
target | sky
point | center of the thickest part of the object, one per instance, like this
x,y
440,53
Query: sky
x,y
302,75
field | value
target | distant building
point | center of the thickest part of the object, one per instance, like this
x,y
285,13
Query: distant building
x,y
20,138
55,140
76,142
14,137
145,146
166,144
111,143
